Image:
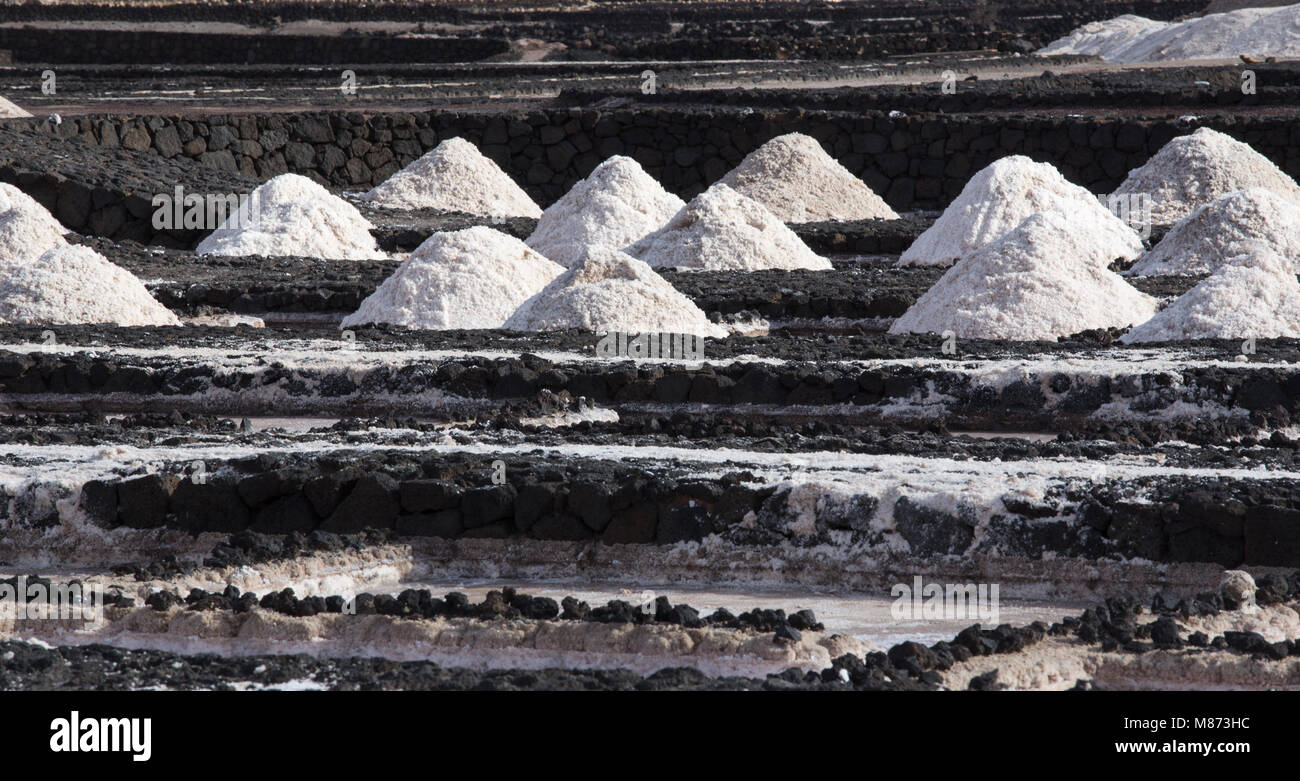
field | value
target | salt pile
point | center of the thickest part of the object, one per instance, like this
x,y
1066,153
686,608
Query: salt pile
x,y
74,284
1193,170
798,182
1041,281
472,278
1260,32
607,290
455,177
11,110
292,215
1201,242
615,205
1252,295
26,229
722,229
1001,196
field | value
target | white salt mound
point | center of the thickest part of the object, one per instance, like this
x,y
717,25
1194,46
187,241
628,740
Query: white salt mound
x,y
292,215
472,278
1192,170
1252,295
1031,284
27,229
1203,240
74,284
722,229
1258,32
798,182
455,176
1001,196
25,236
614,206
11,110
610,291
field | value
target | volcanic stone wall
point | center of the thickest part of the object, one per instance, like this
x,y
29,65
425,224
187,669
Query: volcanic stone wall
x,y
453,496
918,161
108,46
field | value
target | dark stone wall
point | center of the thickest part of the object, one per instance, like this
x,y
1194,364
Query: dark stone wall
x,y
130,47
915,162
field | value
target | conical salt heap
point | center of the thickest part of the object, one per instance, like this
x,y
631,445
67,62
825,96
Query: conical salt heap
x,y
27,229
1203,240
1190,171
1041,281
1251,295
615,205
472,278
292,215
11,110
71,285
609,291
722,229
1001,196
454,176
798,182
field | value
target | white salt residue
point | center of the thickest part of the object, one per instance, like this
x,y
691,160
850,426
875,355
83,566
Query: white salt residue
x,y
1192,170
11,110
798,182
74,284
1258,32
1105,39
1254,295
610,291
1001,196
455,176
1044,280
1201,242
722,229
26,229
472,278
292,215
615,205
